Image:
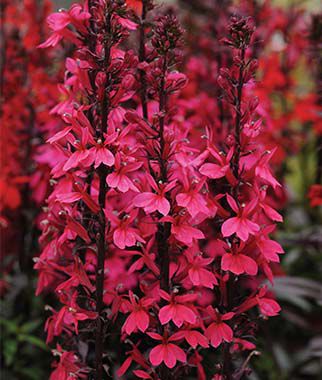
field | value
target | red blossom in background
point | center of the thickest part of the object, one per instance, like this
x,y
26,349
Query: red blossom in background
x,y
25,160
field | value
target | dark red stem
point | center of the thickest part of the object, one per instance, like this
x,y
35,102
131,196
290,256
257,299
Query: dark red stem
x,y
142,58
102,172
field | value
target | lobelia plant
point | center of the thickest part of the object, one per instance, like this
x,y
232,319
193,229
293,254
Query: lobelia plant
x,y
76,234
157,237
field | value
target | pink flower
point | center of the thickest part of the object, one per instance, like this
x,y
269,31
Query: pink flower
x,y
242,344
263,171
186,234
177,311
79,194
101,153
182,229
59,21
269,248
238,263
145,259
175,81
75,227
267,306
68,366
136,356
78,276
68,317
82,154
167,352
195,338
218,331
155,201
198,274
192,200
119,179
139,317
142,374
216,171
268,210
240,224
124,234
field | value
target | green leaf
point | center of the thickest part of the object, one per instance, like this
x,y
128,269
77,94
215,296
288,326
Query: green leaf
x,y
9,351
33,340
30,326
11,326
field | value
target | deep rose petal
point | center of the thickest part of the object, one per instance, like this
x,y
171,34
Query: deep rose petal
x,y
119,238
113,179
165,314
144,199
142,320
157,354
104,156
229,227
130,324
213,171
238,264
163,206
268,307
177,353
169,356
183,314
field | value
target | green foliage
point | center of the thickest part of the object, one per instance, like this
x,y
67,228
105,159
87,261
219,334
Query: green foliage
x,y
24,354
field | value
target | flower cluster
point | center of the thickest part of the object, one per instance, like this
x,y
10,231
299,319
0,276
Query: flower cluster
x,y
157,233
80,240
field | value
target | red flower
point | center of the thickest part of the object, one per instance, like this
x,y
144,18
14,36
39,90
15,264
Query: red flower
x,y
119,179
136,5
198,274
182,229
192,200
78,277
167,352
155,201
267,306
136,356
146,258
269,248
139,317
177,311
216,171
59,21
68,367
315,195
263,171
195,338
238,263
124,234
218,331
240,224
